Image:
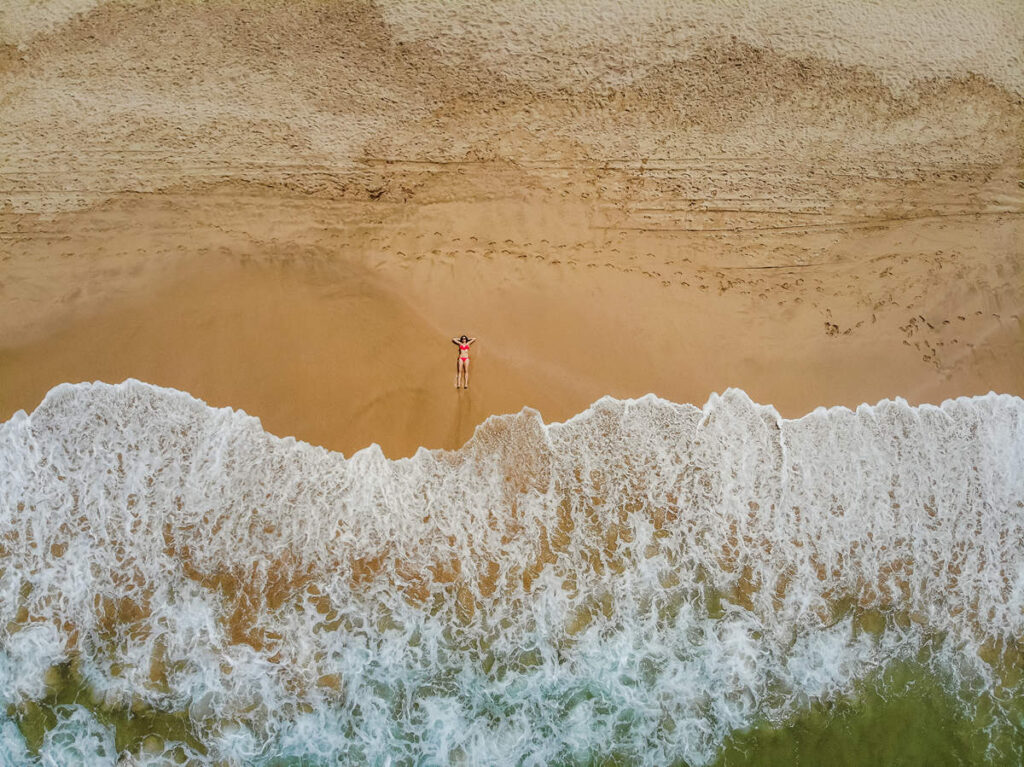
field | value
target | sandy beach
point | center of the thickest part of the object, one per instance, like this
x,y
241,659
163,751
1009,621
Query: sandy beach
x,y
291,208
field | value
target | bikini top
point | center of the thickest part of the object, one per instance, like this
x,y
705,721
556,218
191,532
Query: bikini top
x,y
463,347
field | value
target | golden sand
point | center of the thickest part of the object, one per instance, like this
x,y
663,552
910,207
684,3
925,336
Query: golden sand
x,y
291,208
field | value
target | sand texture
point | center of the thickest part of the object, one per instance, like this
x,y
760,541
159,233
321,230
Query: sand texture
x,y
290,207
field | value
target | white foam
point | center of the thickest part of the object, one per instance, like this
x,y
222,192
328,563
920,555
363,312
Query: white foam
x,y
12,745
657,574
25,658
78,739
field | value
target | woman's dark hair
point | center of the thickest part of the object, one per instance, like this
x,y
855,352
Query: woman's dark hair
x,y
463,338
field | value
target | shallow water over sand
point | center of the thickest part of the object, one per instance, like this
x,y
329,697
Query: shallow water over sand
x,y
647,583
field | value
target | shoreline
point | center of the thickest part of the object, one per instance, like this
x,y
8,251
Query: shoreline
x,y
650,399
343,347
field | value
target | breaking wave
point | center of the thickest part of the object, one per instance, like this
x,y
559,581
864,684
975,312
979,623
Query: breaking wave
x,y
640,583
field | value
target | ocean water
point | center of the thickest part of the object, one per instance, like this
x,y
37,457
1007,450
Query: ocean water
x,y
646,584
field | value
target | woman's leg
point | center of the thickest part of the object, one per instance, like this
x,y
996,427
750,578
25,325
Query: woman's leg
x,y
465,376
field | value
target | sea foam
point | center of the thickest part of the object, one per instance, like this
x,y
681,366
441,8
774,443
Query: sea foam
x,y
639,582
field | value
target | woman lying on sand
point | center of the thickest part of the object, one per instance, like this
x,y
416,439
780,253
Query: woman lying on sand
x,y
462,366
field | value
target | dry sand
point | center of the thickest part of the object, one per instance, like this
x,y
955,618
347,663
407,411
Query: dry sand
x,y
289,208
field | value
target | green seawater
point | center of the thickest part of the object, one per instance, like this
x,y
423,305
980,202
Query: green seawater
x,y
905,717
133,724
